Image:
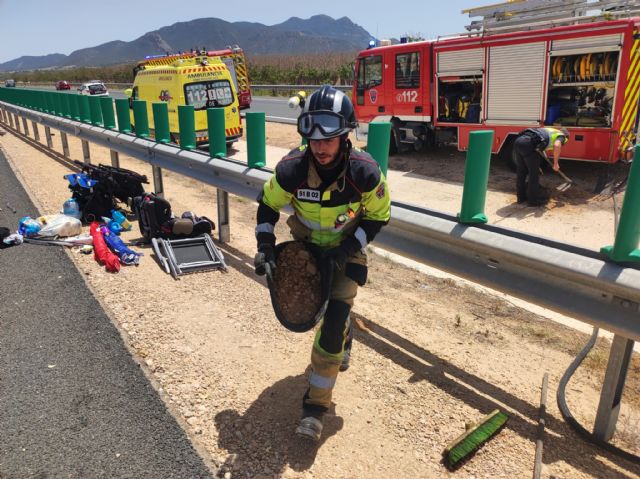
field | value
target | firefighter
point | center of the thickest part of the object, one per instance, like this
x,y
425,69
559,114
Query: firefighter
x,y
341,201
529,150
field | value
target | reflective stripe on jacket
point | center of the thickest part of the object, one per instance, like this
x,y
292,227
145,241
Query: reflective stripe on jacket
x,y
356,203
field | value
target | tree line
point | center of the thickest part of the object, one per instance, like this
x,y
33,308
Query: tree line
x,y
313,69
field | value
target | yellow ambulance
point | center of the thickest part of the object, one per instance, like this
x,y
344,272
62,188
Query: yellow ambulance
x,y
201,81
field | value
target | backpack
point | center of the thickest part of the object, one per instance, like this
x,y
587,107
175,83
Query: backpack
x,y
154,216
156,220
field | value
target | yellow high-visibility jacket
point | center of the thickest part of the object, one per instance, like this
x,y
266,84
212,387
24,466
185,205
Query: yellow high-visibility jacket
x,y
357,203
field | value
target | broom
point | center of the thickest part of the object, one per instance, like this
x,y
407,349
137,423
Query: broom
x,y
467,443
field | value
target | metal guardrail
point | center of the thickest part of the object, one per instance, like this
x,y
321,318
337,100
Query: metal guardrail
x,y
561,277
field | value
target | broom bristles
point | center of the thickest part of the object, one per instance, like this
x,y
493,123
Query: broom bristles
x,y
475,438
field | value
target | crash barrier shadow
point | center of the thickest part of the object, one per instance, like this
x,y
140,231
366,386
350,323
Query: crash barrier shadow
x,y
480,394
548,275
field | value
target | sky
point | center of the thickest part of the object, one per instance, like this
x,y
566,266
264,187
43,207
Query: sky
x,y
40,27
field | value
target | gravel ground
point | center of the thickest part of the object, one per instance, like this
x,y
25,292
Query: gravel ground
x,y
430,355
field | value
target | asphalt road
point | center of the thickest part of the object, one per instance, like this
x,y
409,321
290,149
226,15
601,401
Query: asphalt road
x,y
73,402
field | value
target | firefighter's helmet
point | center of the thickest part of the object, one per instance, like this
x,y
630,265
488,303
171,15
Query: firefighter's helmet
x,y
327,113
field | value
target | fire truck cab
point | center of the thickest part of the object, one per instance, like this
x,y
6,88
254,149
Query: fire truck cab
x,y
581,76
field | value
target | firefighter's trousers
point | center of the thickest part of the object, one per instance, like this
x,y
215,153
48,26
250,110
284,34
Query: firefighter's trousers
x,y
328,345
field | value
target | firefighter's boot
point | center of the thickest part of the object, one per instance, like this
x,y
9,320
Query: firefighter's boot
x,y
346,359
310,427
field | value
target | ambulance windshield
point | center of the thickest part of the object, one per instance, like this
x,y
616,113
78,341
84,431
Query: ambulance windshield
x,y
209,94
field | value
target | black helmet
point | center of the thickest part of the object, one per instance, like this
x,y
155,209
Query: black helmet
x,y
327,113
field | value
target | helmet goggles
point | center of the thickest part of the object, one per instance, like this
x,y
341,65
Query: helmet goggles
x,y
328,123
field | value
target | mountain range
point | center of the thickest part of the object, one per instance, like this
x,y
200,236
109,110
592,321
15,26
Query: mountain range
x,y
318,34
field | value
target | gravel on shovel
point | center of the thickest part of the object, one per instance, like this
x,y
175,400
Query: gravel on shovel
x,y
297,283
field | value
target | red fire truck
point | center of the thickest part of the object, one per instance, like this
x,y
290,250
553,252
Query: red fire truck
x,y
584,76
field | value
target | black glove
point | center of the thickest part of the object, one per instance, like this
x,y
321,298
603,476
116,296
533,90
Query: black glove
x,y
339,254
265,259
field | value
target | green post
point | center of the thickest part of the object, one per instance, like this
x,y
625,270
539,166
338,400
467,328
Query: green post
x,y
187,126
217,135
476,177
49,108
106,105
378,143
625,247
83,108
161,122
66,108
95,111
140,118
59,107
74,106
124,118
256,142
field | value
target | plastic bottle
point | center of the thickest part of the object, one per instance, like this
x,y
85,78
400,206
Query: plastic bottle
x,y
121,220
71,208
28,227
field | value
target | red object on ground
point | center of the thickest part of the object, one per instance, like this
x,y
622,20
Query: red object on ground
x,y
101,253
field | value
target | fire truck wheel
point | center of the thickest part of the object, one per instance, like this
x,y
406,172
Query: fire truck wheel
x,y
506,153
393,141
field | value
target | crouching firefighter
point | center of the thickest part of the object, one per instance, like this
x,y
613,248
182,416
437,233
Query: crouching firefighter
x,y
341,201
530,150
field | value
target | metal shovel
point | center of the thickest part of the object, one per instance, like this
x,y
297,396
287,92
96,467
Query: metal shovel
x,y
568,181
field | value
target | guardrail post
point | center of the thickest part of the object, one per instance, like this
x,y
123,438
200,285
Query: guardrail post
x,y
25,126
161,122
217,135
108,115
36,133
123,113
476,177
47,134
612,387
224,227
625,247
83,107
187,126
17,122
256,142
95,111
158,186
378,143
65,144
115,159
86,154
140,118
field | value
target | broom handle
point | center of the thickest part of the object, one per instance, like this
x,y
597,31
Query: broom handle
x,y
537,465
565,177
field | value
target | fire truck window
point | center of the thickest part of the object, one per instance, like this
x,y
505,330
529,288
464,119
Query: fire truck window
x,y
370,72
581,89
408,70
459,99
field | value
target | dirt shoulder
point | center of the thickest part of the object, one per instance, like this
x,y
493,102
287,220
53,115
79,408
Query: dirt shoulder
x,y
432,354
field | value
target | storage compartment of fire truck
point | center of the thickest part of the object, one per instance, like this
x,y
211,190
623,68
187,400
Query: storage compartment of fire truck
x,y
582,89
459,99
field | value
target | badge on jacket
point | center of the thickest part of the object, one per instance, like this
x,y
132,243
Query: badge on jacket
x,y
312,195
